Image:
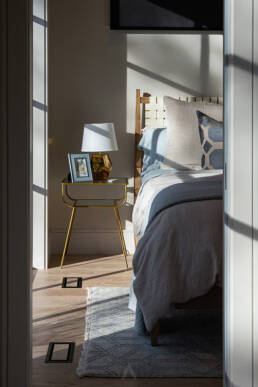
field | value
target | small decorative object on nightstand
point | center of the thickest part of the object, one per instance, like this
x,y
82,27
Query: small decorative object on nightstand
x,y
75,203
80,169
99,138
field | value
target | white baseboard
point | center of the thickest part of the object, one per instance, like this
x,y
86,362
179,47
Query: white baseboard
x,y
86,241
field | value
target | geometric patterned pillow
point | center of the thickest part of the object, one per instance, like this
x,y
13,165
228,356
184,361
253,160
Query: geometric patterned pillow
x,y
211,136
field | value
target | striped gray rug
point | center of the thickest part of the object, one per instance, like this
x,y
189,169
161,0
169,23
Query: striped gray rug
x,y
190,345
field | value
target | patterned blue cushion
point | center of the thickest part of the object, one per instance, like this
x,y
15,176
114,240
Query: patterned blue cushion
x,y
211,136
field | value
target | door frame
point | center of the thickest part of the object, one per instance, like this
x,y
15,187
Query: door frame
x,y
15,193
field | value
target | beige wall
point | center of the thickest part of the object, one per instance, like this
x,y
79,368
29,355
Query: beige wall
x,y
93,74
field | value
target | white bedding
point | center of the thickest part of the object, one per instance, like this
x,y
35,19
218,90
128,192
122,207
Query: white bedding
x,y
155,185
179,256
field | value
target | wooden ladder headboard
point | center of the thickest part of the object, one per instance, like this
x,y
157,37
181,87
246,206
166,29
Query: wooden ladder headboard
x,y
139,124
150,112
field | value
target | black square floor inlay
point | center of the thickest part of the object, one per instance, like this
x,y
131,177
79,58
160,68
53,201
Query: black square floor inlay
x,y
60,352
72,282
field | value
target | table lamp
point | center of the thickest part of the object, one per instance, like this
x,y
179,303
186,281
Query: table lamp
x,y
99,139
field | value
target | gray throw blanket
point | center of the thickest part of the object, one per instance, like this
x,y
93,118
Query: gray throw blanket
x,y
206,188
163,234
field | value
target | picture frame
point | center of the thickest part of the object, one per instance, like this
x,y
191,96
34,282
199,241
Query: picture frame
x,y
80,167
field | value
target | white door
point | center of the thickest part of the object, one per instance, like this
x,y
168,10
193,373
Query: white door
x,y
241,193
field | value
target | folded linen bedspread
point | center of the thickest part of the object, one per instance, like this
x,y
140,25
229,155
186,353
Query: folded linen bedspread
x,y
178,217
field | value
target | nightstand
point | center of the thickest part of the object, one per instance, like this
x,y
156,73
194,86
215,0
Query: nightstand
x,y
75,203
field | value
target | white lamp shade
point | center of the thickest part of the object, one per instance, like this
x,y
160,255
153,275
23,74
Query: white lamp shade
x,y
99,138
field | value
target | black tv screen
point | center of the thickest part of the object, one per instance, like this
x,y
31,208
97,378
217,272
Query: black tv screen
x,y
192,15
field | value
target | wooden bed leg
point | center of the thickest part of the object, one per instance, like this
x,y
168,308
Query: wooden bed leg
x,y
135,241
154,334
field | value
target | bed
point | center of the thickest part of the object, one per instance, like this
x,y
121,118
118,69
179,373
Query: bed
x,y
177,216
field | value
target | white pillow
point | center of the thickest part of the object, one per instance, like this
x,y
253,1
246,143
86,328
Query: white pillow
x,y
183,140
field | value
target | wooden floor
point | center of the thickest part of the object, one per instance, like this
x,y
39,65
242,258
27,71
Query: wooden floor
x,y
59,315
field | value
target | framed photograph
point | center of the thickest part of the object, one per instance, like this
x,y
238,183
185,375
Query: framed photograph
x,y
80,167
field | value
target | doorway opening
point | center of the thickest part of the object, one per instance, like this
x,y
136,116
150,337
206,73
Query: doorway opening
x,y
67,92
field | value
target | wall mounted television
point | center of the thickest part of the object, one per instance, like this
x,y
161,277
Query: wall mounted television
x,y
186,15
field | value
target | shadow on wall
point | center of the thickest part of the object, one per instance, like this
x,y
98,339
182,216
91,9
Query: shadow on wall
x,y
164,80
172,61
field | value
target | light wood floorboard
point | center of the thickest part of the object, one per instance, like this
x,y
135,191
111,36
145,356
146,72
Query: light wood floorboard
x,y
59,315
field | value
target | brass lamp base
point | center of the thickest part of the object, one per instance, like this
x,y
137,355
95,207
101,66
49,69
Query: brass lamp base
x,y
101,166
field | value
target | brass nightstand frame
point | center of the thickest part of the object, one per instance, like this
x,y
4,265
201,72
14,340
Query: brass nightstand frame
x,y
73,203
